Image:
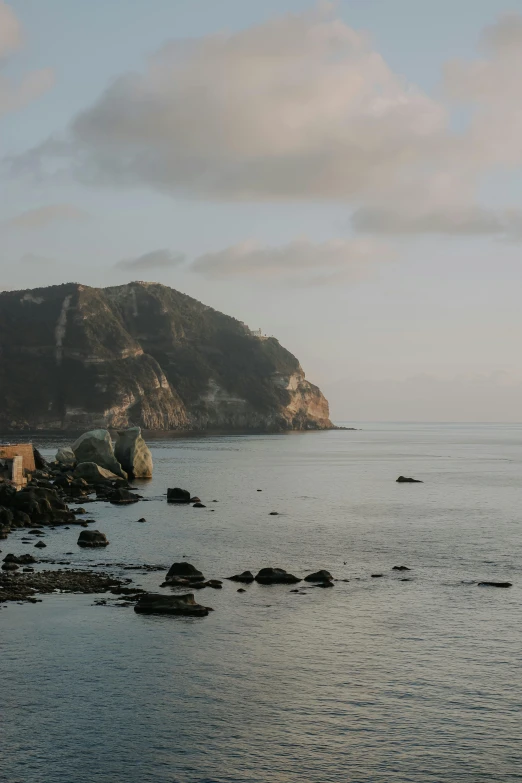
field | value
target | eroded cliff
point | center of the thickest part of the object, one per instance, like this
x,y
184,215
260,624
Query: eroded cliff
x,y
143,354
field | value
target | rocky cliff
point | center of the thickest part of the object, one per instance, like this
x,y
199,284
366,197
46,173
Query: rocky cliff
x,y
143,354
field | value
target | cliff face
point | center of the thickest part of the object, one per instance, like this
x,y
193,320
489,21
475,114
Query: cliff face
x,y
74,357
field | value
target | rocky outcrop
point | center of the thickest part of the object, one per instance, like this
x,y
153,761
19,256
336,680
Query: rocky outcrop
x,y
133,454
96,446
74,357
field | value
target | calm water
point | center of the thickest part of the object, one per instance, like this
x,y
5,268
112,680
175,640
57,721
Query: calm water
x,y
375,680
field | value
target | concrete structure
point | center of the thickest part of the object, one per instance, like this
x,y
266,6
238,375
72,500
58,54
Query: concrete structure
x,y
16,460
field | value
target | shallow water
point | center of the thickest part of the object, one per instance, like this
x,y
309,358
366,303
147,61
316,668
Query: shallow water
x,y
375,680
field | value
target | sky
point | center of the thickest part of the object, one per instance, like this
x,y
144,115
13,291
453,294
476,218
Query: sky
x,y
345,176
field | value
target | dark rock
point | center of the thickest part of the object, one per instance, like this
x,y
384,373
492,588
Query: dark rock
x,y
495,584
176,581
185,571
184,605
199,505
377,576
319,576
122,497
20,559
217,584
405,480
274,514
401,568
142,519
272,576
324,583
246,577
40,545
9,566
195,499
177,495
92,538
241,590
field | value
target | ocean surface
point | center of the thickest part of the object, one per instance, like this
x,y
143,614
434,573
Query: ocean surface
x,y
376,680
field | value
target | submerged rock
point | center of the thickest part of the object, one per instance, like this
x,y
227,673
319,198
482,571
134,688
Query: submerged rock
x,y
133,453
92,538
273,576
96,446
319,576
156,603
401,568
405,480
177,495
495,584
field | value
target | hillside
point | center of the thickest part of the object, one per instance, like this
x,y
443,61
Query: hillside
x,y
73,357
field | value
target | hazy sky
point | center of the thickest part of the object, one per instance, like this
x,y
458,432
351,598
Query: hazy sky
x,y
346,176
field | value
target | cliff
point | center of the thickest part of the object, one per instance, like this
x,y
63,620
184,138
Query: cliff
x,y
75,357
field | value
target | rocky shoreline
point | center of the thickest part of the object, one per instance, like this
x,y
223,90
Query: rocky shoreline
x,y
44,503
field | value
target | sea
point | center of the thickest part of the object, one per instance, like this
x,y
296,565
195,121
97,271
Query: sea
x,y
377,680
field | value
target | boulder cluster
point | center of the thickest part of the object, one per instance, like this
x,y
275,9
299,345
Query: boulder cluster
x,y
95,457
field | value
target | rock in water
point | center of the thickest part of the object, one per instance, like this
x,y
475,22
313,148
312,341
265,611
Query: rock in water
x,y
92,538
65,456
274,576
319,576
406,480
94,474
184,571
177,495
155,603
122,497
495,584
246,577
133,454
96,446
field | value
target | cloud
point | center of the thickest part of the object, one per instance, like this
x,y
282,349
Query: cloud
x,y
301,107
449,221
299,262
33,84
156,259
490,86
44,216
